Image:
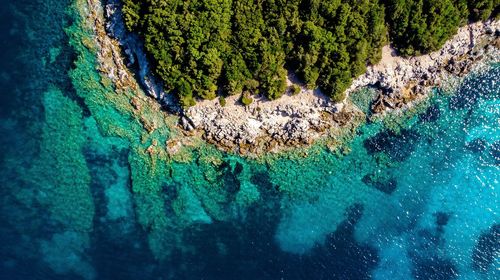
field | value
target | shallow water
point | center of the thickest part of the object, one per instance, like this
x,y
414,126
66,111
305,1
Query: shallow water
x,y
413,197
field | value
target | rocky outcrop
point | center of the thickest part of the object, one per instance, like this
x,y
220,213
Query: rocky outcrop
x,y
108,51
269,125
135,55
403,80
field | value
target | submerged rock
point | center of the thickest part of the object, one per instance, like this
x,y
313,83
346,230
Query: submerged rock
x,y
495,152
397,146
487,249
435,269
476,146
431,114
381,183
442,219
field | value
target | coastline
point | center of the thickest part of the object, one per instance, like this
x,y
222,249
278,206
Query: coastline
x,y
294,120
308,116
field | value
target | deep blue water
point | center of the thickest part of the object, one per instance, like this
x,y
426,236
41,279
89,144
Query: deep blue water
x,y
417,202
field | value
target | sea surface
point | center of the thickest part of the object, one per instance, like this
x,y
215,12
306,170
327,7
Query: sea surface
x,y
412,196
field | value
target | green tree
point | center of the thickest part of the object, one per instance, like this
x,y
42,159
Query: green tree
x,y
482,9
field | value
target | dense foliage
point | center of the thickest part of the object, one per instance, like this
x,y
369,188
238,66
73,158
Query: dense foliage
x,y
243,46
421,26
203,47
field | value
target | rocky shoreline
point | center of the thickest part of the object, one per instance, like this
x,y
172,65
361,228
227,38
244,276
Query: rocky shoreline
x,y
400,79
309,115
295,119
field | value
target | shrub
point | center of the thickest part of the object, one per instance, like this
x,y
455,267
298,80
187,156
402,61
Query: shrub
x,y
246,99
222,101
295,89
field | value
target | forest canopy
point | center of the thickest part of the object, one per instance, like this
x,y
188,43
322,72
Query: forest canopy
x,y
421,26
202,48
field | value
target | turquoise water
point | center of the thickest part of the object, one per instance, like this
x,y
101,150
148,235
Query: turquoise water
x,y
411,197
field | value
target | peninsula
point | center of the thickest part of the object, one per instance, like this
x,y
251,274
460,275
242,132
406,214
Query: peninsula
x,y
255,77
